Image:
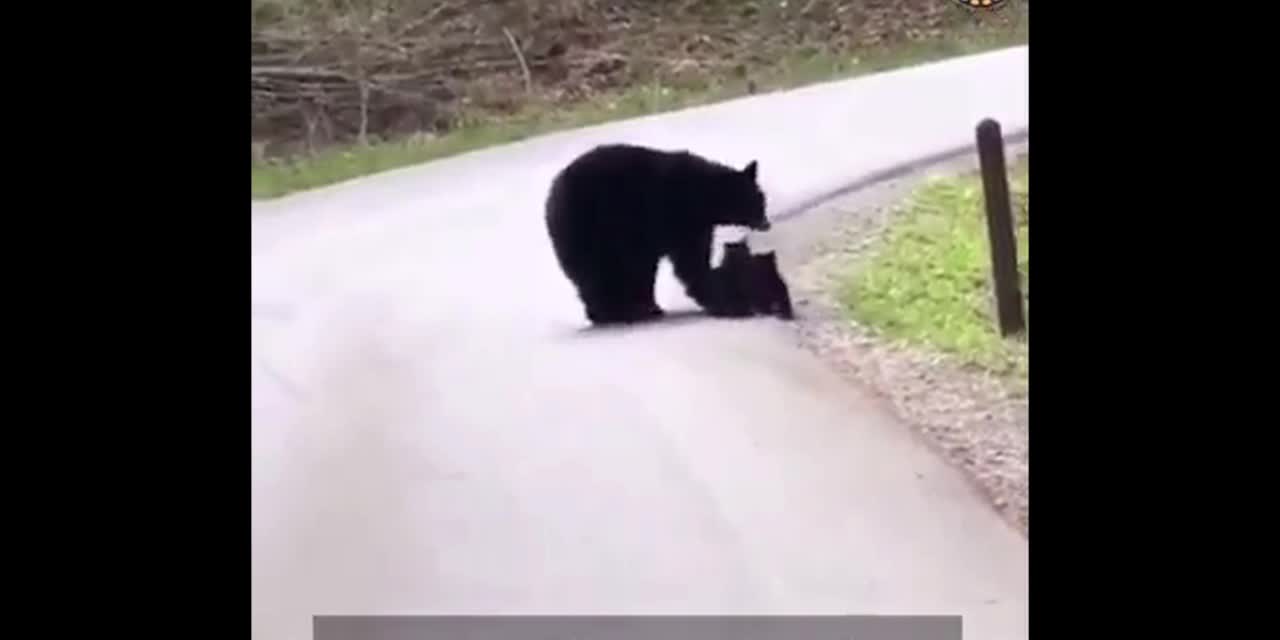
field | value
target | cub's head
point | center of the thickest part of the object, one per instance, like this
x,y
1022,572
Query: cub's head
x,y
767,261
739,202
737,251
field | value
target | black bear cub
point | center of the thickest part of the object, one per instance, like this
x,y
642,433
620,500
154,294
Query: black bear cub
x,y
614,212
751,284
770,295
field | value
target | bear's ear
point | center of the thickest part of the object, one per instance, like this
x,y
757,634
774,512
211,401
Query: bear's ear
x,y
750,171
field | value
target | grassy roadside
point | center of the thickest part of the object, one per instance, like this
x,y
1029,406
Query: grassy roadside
x,y
277,178
926,281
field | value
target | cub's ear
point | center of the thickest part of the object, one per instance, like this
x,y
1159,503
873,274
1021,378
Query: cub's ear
x,y
750,171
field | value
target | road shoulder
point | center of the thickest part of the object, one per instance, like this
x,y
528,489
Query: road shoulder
x,y
976,421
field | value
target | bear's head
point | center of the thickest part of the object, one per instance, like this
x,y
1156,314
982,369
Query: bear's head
x,y
739,202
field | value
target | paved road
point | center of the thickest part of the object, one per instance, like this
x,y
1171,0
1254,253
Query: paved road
x,y
434,430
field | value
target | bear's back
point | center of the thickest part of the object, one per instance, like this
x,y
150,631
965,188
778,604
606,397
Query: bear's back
x,y
624,164
631,186
617,162
608,175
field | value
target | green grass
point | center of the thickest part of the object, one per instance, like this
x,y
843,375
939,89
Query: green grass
x,y
277,178
926,282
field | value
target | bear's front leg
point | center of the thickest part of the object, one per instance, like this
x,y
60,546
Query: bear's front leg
x,y
691,261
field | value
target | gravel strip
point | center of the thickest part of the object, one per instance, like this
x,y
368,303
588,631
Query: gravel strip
x,y
976,420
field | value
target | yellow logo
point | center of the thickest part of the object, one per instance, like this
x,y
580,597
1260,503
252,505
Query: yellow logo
x,y
981,4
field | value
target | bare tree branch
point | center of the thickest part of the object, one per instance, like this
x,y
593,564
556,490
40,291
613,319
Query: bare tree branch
x,y
524,67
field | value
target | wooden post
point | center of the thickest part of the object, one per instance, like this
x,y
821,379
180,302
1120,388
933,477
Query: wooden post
x,y
1000,228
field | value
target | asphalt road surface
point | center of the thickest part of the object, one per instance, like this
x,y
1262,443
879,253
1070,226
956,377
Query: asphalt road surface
x,y
435,430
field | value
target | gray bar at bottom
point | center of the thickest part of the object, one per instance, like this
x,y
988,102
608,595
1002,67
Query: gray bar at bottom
x,y
637,628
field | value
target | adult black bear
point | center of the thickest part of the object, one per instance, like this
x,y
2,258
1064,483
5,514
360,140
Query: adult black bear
x,y
617,210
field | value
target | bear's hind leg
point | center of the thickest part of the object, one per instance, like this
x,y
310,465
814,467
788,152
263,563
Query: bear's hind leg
x,y
594,291
611,296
